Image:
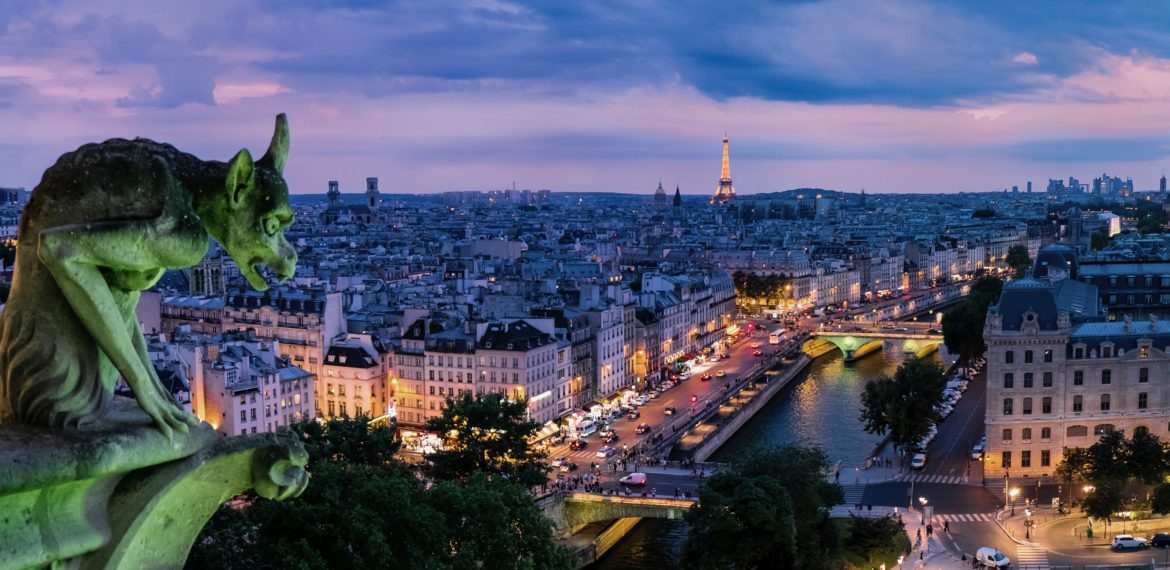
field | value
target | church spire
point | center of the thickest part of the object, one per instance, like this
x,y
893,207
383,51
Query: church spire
x,y
677,197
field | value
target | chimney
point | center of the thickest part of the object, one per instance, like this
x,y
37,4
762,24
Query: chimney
x,y
212,352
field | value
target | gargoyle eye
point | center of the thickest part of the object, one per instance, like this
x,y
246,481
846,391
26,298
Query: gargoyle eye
x,y
271,226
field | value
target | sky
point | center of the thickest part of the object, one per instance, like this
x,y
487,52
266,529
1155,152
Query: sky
x,y
435,95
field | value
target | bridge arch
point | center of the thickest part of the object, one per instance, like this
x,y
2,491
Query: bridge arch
x,y
571,511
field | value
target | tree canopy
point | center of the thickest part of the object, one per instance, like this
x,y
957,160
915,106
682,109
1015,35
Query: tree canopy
x,y
770,504
904,405
1019,260
769,287
963,324
486,434
364,508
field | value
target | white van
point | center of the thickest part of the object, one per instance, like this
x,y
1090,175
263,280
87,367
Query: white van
x,y
991,558
586,428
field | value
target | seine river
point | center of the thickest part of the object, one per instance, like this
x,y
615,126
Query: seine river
x,y
820,406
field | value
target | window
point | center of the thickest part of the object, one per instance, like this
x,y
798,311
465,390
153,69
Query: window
x,y
1077,431
1048,355
1078,403
1103,429
1009,357
1045,458
1105,402
1009,381
1107,352
1006,459
1079,352
432,390
243,416
1027,357
1143,400
1047,379
1007,406
1027,406
1107,376
1045,433
343,412
1143,373
1078,377
1027,379
1025,459
1027,434
1046,405
1141,430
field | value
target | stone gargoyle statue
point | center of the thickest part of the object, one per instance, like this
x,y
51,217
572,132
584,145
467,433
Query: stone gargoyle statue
x,y
104,223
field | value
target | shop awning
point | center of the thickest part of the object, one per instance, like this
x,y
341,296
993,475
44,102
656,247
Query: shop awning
x,y
546,431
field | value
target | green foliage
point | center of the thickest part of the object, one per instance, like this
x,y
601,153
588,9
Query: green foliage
x,y
1098,241
769,505
1104,500
904,405
874,538
1018,259
486,434
1108,460
364,508
768,287
1160,502
1074,466
983,213
963,325
1146,458
985,292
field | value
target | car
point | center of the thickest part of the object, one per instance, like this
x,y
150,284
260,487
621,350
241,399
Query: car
x,y
720,374
1124,541
991,558
669,410
918,461
705,377
654,394
755,345
1160,540
633,415
612,437
558,461
757,353
934,331
605,451
578,444
683,376
714,358
977,451
642,428
568,467
606,433
633,479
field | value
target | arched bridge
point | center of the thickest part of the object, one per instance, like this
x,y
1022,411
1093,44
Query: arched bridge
x,y
570,510
857,340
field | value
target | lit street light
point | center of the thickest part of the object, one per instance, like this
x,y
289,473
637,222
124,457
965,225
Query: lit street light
x,y
1015,491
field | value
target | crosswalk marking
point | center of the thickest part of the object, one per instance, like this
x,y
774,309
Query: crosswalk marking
x,y
1031,557
853,493
965,517
940,479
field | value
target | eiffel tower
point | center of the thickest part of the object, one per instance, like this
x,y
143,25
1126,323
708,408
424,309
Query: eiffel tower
x,y
725,191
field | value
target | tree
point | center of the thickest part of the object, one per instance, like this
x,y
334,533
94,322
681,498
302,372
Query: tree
x,y
488,434
904,405
1018,259
872,537
1098,241
1108,461
1146,458
1073,467
1160,503
767,506
1104,500
985,292
365,509
962,328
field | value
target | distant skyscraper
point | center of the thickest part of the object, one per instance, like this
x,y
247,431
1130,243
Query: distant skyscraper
x,y
1029,186
725,191
1162,184
660,197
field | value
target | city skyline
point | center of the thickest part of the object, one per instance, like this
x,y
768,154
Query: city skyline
x,y
843,95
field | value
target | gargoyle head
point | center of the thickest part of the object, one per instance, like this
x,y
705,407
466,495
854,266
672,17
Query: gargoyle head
x,y
258,212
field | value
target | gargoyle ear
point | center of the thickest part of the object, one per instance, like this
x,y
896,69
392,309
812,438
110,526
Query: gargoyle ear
x,y
241,176
278,149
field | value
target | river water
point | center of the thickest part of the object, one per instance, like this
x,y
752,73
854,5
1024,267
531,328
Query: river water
x,y
820,406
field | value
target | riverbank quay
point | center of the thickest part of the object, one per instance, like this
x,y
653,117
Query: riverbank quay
x,y
719,422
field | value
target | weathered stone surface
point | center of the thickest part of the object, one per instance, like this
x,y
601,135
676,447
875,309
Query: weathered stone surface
x,y
124,496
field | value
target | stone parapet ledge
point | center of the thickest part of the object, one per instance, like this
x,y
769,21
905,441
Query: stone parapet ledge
x,y
121,495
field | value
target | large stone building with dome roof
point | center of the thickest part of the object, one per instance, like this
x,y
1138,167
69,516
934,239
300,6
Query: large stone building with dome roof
x,y
1059,375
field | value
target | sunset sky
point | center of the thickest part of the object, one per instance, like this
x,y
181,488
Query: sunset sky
x,y
889,96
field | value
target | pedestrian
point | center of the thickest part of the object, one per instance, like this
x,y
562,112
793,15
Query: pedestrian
x,y
947,527
919,538
929,530
676,492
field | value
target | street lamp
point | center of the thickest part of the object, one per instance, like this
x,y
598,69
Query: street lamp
x,y
922,500
1015,491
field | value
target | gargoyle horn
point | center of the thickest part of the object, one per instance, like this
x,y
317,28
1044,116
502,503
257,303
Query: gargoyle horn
x,y
278,149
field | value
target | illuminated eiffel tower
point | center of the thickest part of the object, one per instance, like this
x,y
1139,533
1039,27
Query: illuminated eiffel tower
x,y
725,191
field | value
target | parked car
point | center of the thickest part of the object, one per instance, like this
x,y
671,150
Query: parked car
x,y
991,558
977,451
633,479
578,444
1124,541
669,410
1160,540
568,467
633,415
642,428
918,461
654,394
605,451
